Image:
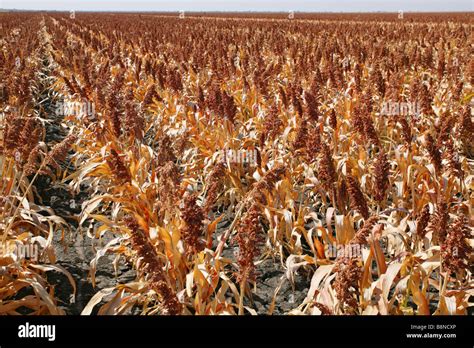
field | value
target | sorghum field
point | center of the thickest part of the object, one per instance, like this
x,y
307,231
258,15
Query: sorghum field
x,y
236,164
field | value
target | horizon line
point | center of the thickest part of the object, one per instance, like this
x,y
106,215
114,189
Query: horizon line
x,y
228,11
